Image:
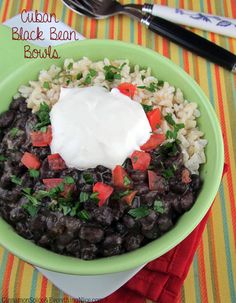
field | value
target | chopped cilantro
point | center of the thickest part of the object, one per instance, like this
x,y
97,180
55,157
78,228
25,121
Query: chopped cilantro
x,y
43,116
34,173
69,180
127,181
139,212
79,76
91,74
46,85
176,127
94,197
112,72
119,195
75,209
16,180
14,131
88,178
31,209
83,197
168,173
159,207
2,158
65,209
44,129
70,65
152,86
147,108
84,215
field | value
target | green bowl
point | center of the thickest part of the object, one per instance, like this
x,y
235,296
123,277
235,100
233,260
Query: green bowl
x,y
17,71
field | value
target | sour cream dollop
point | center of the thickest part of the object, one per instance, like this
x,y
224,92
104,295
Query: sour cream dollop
x,y
92,126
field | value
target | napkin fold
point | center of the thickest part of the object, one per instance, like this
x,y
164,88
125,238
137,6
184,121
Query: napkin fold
x,y
161,280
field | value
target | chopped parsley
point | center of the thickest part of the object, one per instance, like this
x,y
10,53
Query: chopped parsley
x,y
152,86
33,204
91,74
112,72
46,85
31,209
139,212
74,209
119,195
34,173
83,197
88,178
16,180
94,197
176,127
14,131
168,173
69,180
159,207
147,108
2,158
79,76
43,116
70,65
84,215
127,181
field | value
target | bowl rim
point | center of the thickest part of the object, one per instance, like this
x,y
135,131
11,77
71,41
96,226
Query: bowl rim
x,y
43,258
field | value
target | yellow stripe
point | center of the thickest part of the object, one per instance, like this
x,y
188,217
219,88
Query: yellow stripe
x,y
189,289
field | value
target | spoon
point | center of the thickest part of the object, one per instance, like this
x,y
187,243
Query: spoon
x,y
175,33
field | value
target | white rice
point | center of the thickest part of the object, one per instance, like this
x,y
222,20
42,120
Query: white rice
x,y
168,98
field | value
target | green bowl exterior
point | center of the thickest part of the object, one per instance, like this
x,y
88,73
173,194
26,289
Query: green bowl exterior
x,y
17,71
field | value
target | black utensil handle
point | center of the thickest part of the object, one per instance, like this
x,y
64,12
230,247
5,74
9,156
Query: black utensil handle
x,y
191,41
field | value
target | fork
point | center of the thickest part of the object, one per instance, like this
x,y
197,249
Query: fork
x,y
170,30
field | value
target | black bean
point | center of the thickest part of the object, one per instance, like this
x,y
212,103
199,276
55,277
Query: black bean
x,y
65,238
152,234
196,182
38,224
17,214
74,248
149,198
129,222
92,234
139,176
178,186
136,202
164,223
103,215
149,221
141,188
118,208
88,251
121,228
133,242
45,171
112,240
44,241
15,104
72,224
186,201
6,118
23,230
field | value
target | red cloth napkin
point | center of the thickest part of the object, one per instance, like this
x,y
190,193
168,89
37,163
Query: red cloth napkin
x,y
161,280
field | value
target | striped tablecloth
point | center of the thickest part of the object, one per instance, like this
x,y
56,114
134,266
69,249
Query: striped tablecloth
x,y
212,277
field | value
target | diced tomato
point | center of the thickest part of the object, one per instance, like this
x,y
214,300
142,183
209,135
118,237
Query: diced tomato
x,y
54,182
152,180
56,162
104,191
41,139
129,198
30,161
186,176
154,118
127,89
140,160
154,141
121,178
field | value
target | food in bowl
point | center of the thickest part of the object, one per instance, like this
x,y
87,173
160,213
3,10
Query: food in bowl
x,y
53,197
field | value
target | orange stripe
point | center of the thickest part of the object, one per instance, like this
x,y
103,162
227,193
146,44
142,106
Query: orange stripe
x,y
7,275
43,288
4,16
111,28
46,3
28,5
70,17
93,28
186,60
202,273
227,156
233,8
223,126
140,40
214,258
